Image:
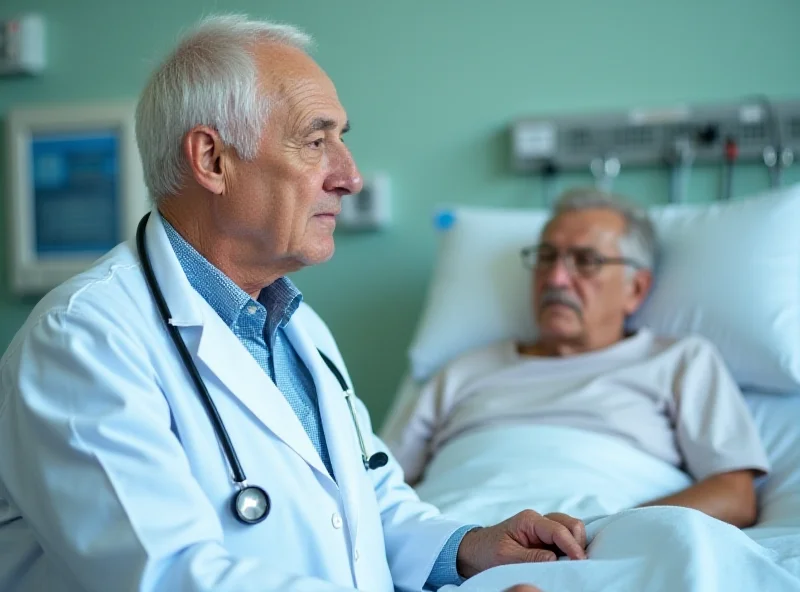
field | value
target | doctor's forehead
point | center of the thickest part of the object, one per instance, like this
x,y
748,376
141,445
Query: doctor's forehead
x,y
297,85
591,227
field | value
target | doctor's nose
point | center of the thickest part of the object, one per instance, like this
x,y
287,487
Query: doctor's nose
x,y
344,178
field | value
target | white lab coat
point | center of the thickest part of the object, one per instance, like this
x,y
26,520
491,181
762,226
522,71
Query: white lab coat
x,y
111,477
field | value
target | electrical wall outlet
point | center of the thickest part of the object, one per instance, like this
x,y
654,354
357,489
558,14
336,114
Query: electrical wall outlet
x,y
22,44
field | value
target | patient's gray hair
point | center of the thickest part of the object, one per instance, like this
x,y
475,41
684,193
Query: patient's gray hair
x,y
211,79
639,240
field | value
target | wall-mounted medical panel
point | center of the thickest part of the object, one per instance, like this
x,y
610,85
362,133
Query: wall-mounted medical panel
x,y
75,190
756,131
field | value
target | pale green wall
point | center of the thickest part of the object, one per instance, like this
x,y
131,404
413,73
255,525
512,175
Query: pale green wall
x,y
430,87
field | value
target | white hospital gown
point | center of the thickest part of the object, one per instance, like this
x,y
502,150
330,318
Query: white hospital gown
x,y
672,399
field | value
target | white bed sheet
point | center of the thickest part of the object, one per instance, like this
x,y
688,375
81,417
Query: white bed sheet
x,y
778,421
778,527
475,489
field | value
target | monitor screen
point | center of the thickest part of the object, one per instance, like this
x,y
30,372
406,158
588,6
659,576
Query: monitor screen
x,y
76,189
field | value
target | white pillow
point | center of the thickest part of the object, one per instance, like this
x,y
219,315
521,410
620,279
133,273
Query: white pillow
x,y
728,271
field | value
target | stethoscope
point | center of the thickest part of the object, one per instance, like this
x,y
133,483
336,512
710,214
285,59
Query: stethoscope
x,y
250,504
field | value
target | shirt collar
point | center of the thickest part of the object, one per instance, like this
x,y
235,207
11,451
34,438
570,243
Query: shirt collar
x,y
280,299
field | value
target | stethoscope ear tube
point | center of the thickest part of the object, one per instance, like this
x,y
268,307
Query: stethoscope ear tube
x,y
211,409
377,460
371,461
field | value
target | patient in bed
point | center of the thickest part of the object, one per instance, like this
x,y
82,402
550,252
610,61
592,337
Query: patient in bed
x,y
670,400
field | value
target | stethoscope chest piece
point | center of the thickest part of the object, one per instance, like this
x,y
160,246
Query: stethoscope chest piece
x,y
251,505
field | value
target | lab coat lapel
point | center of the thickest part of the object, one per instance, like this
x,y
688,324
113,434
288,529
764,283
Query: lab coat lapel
x,y
336,421
182,300
224,355
221,352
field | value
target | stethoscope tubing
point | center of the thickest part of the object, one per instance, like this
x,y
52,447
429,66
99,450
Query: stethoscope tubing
x,y
239,477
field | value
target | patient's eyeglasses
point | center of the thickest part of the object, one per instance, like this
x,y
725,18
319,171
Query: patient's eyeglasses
x,y
582,261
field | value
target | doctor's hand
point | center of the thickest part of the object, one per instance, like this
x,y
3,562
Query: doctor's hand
x,y
527,537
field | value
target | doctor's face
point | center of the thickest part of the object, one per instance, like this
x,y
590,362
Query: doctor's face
x,y
285,201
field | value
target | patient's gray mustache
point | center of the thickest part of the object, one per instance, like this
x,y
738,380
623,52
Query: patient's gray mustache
x,y
558,297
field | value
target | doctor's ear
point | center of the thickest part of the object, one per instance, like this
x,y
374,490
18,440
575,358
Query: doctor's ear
x,y
205,154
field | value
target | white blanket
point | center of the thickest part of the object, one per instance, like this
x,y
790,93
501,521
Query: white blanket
x,y
652,549
488,475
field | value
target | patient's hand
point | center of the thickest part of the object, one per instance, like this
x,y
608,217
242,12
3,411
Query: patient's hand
x,y
524,538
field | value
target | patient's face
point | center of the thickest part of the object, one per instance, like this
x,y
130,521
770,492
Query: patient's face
x,y
585,311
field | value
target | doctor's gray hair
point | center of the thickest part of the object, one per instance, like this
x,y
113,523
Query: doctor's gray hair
x,y
211,79
639,240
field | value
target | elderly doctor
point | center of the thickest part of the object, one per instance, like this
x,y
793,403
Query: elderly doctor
x,y
115,473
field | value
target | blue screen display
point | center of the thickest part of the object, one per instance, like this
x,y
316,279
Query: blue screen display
x,y
76,192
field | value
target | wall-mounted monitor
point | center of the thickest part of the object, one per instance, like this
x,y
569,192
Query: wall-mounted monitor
x,y
75,190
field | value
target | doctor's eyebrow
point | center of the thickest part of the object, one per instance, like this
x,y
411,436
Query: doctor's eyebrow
x,y
324,124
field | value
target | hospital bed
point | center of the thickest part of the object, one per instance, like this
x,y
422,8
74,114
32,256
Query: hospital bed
x,y
727,271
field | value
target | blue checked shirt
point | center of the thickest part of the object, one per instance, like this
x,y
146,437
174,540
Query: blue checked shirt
x,y
259,325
